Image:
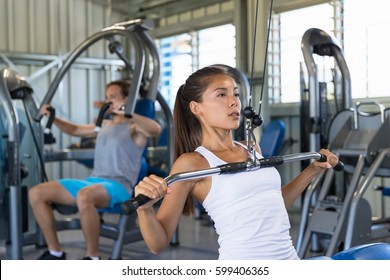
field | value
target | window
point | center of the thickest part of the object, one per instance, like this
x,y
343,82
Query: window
x,y
291,27
176,64
183,54
217,45
361,26
367,45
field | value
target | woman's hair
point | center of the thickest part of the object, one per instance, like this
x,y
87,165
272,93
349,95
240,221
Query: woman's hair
x,y
187,128
124,86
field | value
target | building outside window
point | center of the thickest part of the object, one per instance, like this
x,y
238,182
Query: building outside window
x,y
183,54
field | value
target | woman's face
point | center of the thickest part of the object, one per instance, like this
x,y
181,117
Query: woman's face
x,y
220,106
114,95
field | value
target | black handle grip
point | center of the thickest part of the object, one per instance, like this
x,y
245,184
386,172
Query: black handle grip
x,y
50,121
131,205
271,161
48,136
338,167
102,112
233,167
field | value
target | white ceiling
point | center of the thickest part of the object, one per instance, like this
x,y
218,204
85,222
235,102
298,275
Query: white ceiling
x,y
153,9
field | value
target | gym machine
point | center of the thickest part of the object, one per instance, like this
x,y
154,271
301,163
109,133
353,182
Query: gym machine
x,y
316,111
317,105
338,217
18,227
18,157
362,140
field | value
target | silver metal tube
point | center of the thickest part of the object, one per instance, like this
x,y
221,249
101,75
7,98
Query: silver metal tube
x,y
10,110
301,156
169,117
191,175
114,30
332,247
347,95
257,164
13,144
137,74
15,223
310,190
131,205
358,194
153,52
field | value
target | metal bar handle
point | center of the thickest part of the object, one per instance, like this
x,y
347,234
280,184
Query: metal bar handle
x,y
131,205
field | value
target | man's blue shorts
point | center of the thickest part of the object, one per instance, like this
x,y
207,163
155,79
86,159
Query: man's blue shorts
x,y
117,192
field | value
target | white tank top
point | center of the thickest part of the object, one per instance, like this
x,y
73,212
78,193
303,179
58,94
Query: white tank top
x,y
248,213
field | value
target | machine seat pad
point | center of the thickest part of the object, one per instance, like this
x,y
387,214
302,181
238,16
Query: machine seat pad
x,y
373,251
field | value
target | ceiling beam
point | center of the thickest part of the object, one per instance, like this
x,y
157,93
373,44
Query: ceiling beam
x,y
154,9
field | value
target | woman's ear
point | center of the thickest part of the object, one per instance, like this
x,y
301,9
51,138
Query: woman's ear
x,y
194,107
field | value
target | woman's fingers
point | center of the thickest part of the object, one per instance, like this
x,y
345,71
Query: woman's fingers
x,y
152,186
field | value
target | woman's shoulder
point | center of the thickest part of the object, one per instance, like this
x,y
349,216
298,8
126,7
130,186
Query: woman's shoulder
x,y
190,162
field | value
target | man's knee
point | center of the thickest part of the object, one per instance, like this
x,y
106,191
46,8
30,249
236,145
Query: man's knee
x,y
36,194
92,196
84,198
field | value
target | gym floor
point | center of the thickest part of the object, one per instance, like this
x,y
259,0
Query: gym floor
x,y
197,240
197,237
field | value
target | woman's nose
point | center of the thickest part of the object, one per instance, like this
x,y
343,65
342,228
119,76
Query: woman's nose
x,y
233,101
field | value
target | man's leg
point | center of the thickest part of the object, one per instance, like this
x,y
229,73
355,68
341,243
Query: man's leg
x,y
40,197
88,200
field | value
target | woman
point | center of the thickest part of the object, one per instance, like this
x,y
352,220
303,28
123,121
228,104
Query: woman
x,y
248,208
117,162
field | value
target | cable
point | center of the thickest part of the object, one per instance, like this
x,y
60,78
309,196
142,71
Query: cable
x,y
254,120
253,53
249,112
266,55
